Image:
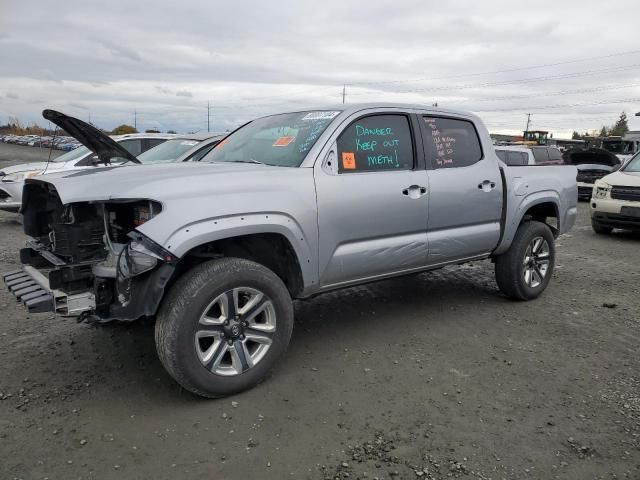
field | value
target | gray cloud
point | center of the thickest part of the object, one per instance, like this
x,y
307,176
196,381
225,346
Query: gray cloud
x,y
12,96
119,50
169,61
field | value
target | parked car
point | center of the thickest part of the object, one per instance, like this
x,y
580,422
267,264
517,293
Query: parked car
x,y
287,206
25,139
616,199
12,178
515,156
183,148
592,165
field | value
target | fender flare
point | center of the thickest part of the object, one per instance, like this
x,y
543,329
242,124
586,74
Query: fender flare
x,y
527,202
209,230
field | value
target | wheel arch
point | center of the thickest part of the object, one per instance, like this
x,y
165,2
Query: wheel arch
x,y
541,207
271,248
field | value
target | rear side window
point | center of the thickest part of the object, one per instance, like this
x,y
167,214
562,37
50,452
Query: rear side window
x,y
540,154
376,143
555,154
502,155
451,143
133,146
517,159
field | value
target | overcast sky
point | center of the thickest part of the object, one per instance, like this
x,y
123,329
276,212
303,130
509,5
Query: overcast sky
x,y
571,64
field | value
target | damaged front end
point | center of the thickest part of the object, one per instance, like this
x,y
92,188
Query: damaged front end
x,y
87,259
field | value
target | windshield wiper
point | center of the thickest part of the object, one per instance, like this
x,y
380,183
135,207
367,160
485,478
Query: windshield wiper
x,y
251,160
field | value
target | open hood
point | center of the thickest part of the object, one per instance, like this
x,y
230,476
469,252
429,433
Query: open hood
x,y
88,135
592,156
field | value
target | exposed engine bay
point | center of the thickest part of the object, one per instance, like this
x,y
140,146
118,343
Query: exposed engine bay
x,y
90,256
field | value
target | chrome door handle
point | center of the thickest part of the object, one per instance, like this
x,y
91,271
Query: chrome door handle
x,y
415,191
487,185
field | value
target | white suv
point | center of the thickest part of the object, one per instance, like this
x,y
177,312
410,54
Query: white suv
x,y
615,202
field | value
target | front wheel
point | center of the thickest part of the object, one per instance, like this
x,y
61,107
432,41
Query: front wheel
x,y
223,326
524,271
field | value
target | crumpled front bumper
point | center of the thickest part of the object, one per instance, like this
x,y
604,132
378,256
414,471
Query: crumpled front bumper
x,y
31,287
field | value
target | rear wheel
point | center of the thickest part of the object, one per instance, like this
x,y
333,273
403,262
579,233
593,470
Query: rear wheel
x,y
223,326
524,271
600,229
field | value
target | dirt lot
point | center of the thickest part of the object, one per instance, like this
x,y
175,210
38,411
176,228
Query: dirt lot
x,y
429,376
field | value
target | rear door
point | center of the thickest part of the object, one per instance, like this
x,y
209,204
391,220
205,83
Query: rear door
x,y
465,190
372,201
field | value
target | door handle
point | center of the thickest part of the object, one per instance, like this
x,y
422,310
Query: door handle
x,y
487,186
415,191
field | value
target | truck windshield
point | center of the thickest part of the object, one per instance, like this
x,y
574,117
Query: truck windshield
x,y
634,165
279,140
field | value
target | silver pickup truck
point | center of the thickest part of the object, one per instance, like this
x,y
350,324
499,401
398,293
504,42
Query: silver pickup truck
x,y
286,207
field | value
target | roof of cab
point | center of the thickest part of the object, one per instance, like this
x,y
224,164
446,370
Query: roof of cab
x,y
348,109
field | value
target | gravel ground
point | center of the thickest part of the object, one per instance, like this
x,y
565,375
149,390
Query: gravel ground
x,y
429,376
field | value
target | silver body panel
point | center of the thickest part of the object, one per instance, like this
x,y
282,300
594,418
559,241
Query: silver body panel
x,y
344,229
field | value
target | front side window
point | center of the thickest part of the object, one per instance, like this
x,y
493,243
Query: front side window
x,y
376,143
167,151
451,143
279,140
149,143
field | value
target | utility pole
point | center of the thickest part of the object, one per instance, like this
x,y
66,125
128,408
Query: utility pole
x,y
344,92
527,128
135,119
208,117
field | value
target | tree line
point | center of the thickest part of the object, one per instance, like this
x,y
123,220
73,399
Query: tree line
x,y
618,129
15,127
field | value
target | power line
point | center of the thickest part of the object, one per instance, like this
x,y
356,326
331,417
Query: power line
x,y
552,94
607,102
512,82
508,70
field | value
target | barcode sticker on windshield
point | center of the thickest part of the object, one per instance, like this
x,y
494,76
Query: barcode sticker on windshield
x,y
189,142
320,115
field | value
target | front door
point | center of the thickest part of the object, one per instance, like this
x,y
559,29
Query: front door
x,y
372,202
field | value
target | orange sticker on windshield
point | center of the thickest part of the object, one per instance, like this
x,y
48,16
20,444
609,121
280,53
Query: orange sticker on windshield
x,y
283,141
348,161
221,143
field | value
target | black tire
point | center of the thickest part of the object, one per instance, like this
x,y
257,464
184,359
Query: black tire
x,y
600,229
179,319
510,267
